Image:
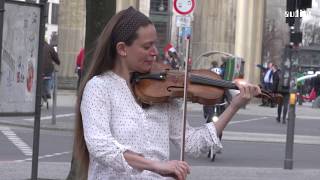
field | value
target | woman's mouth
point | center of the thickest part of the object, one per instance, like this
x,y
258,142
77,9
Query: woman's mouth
x,y
148,62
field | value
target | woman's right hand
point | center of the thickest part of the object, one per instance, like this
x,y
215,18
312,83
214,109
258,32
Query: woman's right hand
x,y
174,168
247,91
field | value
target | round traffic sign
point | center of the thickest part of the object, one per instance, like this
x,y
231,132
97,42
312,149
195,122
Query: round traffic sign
x,y
183,6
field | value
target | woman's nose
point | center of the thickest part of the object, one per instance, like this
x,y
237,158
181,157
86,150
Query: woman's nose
x,y
154,51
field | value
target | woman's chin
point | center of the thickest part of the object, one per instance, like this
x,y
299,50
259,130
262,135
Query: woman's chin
x,y
145,70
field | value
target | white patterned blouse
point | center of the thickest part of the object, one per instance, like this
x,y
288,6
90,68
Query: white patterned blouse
x,y
113,122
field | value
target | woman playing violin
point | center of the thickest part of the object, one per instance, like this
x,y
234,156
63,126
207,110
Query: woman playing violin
x,y
118,139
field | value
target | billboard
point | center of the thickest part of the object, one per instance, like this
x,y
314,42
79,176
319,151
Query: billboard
x,y
19,57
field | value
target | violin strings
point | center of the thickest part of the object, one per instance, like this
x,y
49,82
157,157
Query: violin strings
x,y
213,82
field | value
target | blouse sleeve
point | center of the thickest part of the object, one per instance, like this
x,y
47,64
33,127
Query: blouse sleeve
x,y
102,146
198,140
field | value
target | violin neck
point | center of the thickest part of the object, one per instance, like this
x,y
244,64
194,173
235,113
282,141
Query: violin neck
x,y
136,77
212,82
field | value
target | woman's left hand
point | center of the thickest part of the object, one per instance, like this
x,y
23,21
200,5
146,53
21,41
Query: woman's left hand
x,y
247,91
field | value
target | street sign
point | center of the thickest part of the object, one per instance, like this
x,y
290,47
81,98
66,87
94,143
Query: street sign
x,y
186,32
183,7
183,21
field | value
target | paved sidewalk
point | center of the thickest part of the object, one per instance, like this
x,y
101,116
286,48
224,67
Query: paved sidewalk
x,y
65,98
52,170
22,170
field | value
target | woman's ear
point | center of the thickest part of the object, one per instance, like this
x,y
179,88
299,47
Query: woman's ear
x,y
121,49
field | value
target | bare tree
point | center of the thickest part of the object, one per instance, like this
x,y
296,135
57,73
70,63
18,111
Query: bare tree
x,y
311,31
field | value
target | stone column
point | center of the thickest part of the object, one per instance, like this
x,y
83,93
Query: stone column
x,y
141,5
71,38
123,4
249,36
144,6
213,29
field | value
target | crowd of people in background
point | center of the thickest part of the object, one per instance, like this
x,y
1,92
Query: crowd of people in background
x,y
272,82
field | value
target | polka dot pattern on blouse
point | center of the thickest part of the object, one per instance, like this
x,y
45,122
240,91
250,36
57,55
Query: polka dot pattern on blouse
x,y
113,123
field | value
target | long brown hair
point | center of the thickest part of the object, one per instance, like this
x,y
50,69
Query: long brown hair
x,y
122,27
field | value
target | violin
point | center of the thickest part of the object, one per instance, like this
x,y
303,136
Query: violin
x,y
162,84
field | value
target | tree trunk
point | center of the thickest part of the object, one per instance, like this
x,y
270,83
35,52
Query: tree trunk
x,y
98,13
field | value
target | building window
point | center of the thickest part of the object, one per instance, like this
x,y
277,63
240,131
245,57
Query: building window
x,y
159,6
160,15
55,13
162,34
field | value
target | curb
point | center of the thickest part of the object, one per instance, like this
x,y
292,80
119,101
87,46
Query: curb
x,y
251,173
59,170
31,126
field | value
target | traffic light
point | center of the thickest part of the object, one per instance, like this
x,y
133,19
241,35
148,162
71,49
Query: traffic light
x,y
296,37
291,5
290,21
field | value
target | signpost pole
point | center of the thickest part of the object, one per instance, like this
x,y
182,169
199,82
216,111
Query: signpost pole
x,y
36,127
1,30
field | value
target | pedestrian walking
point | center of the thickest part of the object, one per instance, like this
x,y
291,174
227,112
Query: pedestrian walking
x,y
277,87
50,57
79,65
211,112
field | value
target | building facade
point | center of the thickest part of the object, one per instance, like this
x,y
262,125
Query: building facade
x,y
233,26
254,30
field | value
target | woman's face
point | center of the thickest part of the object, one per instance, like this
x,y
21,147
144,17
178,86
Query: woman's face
x,y
142,52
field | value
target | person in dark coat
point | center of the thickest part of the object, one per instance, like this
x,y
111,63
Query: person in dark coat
x,y
278,88
50,56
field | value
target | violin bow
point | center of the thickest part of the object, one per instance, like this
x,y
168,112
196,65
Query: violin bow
x,y
185,88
